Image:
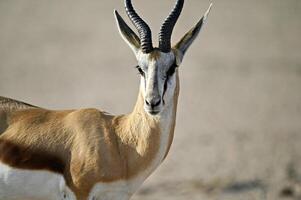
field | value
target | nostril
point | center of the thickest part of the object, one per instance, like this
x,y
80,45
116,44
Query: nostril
x,y
151,104
158,103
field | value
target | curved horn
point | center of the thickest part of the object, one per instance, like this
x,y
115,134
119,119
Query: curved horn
x,y
168,25
143,29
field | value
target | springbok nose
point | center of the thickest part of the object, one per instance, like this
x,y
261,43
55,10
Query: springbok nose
x,y
153,103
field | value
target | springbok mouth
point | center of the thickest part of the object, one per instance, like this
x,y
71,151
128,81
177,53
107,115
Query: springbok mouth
x,y
153,112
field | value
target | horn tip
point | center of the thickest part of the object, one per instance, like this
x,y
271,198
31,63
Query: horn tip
x,y
115,12
117,15
208,11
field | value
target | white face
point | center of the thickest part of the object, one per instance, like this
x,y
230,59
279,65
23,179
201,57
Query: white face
x,y
158,80
158,70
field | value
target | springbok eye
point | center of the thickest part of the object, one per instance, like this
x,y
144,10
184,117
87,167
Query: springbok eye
x,y
141,72
171,70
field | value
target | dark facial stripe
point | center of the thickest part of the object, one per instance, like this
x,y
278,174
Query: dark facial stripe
x,y
169,73
23,158
165,88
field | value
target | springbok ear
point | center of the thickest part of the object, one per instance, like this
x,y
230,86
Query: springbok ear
x,y
127,33
182,46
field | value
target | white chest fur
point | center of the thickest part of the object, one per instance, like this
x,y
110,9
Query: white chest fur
x,y
16,184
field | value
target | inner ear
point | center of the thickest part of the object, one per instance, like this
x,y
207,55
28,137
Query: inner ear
x,y
127,33
182,46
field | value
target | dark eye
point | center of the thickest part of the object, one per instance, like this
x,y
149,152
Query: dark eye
x,y
171,70
141,72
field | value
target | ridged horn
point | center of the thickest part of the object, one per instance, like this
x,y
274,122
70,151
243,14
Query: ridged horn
x,y
143,29
167,27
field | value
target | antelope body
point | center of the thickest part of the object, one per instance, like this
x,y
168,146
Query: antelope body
x,y
88,154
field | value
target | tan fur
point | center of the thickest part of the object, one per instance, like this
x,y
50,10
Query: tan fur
x,y
154,55
11,104
8,105
92,145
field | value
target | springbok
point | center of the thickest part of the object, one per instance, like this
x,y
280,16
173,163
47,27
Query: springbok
x,y
90,154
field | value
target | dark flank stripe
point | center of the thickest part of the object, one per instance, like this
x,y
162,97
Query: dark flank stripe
x,y
23,158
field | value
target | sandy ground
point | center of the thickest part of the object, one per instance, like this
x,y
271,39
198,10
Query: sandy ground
x,y
238,132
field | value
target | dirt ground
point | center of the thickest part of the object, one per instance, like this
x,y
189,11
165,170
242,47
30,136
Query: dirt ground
x,y
238,134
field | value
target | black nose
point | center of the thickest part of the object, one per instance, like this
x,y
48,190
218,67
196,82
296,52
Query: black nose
x,y
153,104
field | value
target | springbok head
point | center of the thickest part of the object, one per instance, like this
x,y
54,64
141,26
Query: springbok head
x,y
158,66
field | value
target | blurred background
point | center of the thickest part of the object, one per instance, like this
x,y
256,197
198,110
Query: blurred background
x,y
238,133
